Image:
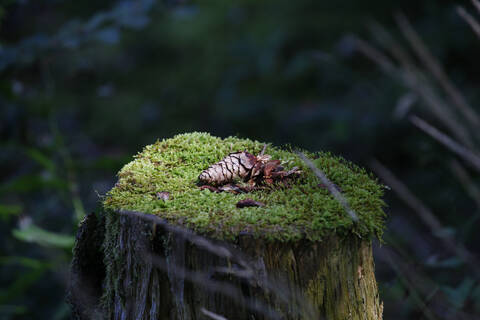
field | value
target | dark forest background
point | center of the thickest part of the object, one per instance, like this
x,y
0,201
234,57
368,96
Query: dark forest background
x,y
85,85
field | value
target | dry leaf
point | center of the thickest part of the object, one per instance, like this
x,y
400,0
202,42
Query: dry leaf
x,y
249,203
164,195
213,189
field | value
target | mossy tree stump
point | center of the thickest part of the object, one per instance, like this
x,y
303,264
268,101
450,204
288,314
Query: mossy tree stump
x,y
197,256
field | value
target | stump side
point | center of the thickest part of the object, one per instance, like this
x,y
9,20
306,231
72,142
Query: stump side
x,y
153,272
87,272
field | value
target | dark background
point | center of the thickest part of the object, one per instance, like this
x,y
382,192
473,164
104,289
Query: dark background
x,y
86,84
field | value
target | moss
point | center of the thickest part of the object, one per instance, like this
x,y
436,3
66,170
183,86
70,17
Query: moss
x,y
303,211
111,254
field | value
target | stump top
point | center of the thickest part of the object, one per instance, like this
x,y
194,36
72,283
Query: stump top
x,y
305,210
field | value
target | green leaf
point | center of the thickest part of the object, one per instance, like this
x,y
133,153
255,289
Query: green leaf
x,y
11,310
23,261
35,234
34,182
6,211
41,159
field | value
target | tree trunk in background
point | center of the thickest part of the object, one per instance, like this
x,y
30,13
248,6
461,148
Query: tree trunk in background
x,y
153,270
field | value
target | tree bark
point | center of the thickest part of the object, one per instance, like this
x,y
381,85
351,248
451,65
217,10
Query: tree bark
x,y
154,270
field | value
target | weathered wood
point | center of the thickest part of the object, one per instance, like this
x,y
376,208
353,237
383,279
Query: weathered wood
x,y
154,270
163,248
87,269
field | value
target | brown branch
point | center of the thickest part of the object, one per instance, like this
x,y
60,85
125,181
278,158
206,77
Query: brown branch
x,y
404,104
436,69
376,56
467,182
412,78
424,291
476,3
472,22
396,265
383,36
426,215
469,156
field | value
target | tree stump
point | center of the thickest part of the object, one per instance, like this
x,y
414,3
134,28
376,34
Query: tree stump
x,y
165,249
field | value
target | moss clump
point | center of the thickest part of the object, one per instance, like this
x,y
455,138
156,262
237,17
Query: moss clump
x,y
303,211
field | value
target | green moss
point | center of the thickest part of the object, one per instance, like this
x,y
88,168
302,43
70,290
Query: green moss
x,y
304,210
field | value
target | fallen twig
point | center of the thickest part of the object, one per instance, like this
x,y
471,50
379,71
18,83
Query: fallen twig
x,y
330,186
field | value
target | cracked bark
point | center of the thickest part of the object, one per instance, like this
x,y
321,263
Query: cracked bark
x,y
134,266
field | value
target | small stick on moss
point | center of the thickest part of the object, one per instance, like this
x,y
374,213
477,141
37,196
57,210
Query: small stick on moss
x,y
330,186
263,150
249,203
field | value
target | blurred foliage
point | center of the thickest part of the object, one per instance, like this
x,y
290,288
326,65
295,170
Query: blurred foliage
x,y
86,84
34,234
